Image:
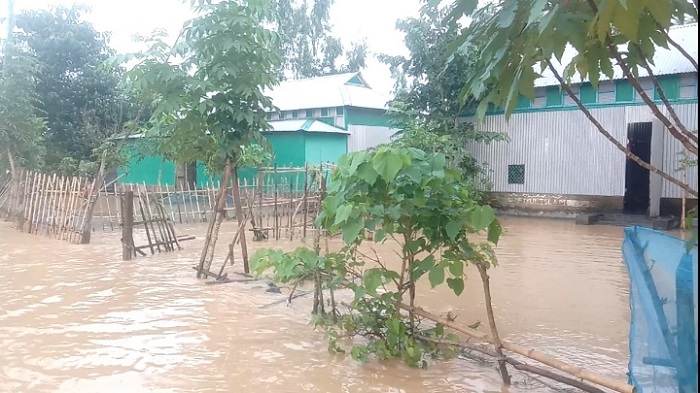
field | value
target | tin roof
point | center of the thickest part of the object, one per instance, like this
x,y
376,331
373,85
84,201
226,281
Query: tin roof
x,y
348,89
666,61
306,125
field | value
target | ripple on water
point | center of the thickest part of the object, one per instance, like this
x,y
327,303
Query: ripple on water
x,y
78,319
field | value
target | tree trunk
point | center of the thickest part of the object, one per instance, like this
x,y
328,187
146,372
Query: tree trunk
x,y
492,325
213,226
95,187
239,217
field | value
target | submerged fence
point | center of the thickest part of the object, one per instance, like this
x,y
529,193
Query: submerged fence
x,y
664,304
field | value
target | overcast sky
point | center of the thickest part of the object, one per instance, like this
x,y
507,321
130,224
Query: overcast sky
x,y
352,20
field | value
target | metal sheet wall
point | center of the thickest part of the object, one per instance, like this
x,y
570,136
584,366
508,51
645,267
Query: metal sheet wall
x,y
564,153
364,137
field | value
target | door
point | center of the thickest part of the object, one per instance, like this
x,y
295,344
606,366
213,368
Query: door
x,y
637,179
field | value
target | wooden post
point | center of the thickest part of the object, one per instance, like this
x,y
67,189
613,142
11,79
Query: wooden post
x,y
217,214
127,209
306,198
241,220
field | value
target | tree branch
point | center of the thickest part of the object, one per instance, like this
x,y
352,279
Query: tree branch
x,y
664,99
612,139
678,46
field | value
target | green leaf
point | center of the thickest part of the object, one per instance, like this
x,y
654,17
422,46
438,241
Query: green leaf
x,y
452,228
342,214
367,173
351,230
456,268
495,231
482,217
372,279
379,235
436,275
387,165
456,284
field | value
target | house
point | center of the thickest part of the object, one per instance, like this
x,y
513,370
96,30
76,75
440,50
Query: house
x,y
556,162
314,120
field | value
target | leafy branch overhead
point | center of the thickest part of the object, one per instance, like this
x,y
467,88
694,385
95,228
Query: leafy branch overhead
x,y
521,40
208,89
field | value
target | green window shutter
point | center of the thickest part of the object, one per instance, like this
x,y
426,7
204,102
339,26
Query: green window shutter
x,y
671,86
523,103
339,111
588,94
295,114
309,113
324,112
625,91
554,97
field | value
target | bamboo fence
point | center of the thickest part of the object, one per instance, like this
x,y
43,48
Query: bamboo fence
x,y
49,204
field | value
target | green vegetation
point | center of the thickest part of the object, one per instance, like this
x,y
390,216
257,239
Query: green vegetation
x,y
410,197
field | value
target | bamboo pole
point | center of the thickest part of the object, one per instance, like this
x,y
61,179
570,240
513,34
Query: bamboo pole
x,y
196,200
533,354
149,217
306,199
127,208
44,201
58,200
71,225
216,215
145,223
170,203
492,325
241,220
32,202
184,202
64,209
109,209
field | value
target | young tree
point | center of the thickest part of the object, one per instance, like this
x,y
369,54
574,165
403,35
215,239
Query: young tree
x,y
518,38
206,91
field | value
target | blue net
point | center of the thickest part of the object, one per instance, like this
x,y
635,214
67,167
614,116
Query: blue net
x,y
664,304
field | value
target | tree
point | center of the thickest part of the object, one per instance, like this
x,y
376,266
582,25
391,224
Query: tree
x,y
521,37
427,101
21,130
81,99
308,47
206,92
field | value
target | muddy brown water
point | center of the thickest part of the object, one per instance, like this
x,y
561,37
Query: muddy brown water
x,y
77,319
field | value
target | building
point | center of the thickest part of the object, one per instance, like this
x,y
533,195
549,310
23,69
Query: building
x,y
315,120
556,162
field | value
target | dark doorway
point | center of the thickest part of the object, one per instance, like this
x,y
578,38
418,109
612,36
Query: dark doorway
x,y
191,175
636,200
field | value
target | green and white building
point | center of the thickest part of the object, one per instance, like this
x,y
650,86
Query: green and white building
x,y
557,162
315,121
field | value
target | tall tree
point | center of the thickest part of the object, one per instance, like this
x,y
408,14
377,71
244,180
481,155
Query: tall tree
x,y
80,99
308,47
519,38
21,130
427,93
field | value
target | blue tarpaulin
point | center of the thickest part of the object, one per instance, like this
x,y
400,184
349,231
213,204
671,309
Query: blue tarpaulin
x,y
664,303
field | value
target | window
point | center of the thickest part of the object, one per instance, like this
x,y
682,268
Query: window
x,y
516,174
648,87
283,115
295,114
624,92
339,111
606,92
554,96
566,98
268,115
309,113
689,86
324,112
523,103
540,100
588,94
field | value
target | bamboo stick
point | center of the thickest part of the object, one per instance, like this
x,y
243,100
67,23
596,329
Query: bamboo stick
x,y
533,354
64,209
145,225
306,200
73,214
32,201
212,234
241,219
44,201
109,209
184,202
149,217
55,222
498,346
170,203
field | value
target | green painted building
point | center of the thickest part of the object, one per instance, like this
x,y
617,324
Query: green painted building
x,y
314,120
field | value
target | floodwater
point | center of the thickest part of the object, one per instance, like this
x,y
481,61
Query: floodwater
x,y
77,319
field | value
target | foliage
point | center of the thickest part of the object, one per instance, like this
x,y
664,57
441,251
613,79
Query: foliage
x,y
519,40
255,156
82,100
308,47
210,101
413,198
21,129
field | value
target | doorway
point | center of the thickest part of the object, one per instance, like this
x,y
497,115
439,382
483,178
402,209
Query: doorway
x,y
637,179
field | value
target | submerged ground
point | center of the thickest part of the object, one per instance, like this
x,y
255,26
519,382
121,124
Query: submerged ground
x,y
78,319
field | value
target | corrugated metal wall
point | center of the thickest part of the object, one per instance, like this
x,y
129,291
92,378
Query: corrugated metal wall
x,y
563,152
364,137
